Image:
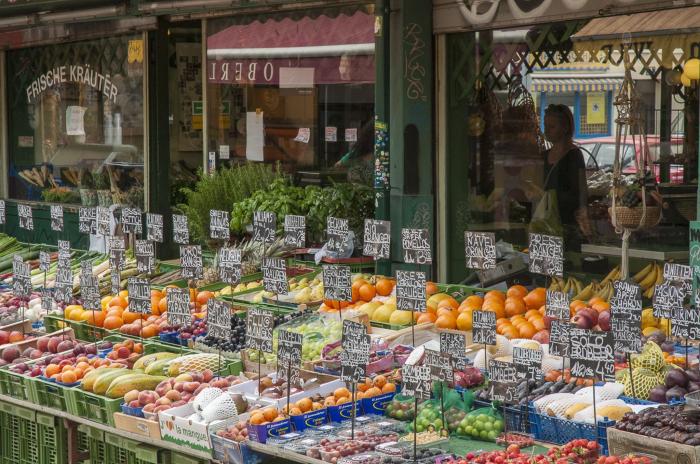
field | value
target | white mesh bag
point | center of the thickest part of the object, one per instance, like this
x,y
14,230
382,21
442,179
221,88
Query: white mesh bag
x,y
586,415
502,348
205,397
558,408
221,408
543,403
607,391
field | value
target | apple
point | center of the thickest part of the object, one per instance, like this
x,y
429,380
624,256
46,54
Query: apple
x,y
604,320
581,321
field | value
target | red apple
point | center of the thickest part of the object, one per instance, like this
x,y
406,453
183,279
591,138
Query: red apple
x,y
604,321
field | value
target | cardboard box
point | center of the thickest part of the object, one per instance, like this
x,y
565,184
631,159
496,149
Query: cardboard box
x,y
250,388
138,425
176,426
260,433
667,452
311,419
377,404
344,411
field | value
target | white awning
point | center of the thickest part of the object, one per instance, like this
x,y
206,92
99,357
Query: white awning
x,y
575,84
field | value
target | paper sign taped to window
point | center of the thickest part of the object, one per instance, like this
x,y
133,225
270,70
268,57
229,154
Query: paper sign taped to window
x,y
351,134
75,124
254,134
224,152
303,135
296,78
331,134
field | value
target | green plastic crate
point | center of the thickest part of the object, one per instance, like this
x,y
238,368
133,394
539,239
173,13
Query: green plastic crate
x,y
12,384
119,450
177,458
91,406
53,438
46,393
95,439
19,435
88,333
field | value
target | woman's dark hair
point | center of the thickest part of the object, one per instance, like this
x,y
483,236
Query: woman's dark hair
x,y
563,113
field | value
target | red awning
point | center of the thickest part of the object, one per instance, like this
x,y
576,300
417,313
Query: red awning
x,y
338,49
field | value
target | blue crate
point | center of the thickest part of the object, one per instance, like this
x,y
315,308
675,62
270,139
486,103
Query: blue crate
x,y
516,417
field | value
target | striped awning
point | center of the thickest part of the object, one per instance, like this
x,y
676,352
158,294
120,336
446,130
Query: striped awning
x,y
559,85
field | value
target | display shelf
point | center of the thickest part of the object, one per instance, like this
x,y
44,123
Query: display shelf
x,y
96,425
658,255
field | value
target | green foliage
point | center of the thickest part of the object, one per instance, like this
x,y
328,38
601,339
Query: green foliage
x,y
221,190
344,200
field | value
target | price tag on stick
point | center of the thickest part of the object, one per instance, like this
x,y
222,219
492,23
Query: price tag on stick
x,y
64,252
219,225
410,291
21,278
546,255
275,276
259,326
154,227
145,254
87,220
592,354
103,221
117,249
416,246
355,355
626,317
416,381
454,344
139,295
131,221
56,218
295,231
178,300
557,305
504,378
480,250
264,227
289,356
669,296
559,338
229,265
181,230
337,282
46,299
528,363
484,327
44,261
440,366
63,288
377,239
337,234
218,319
3,212
191,261
26,219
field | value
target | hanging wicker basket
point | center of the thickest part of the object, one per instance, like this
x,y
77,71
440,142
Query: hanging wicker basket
x,y
631,218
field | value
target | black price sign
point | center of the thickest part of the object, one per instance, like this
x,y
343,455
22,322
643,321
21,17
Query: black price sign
x,y
44,261
416,381
410,291
178,300
295,231
229,265
546,255
678,272
56,218
3,214
117,248
484,327
338,234
259,325
275,276
559,338
219,225
181,231
355,355
668,296
218,319
627,333
416,246
454,344
139,295
131,221
26,220
115,282
480,250
626,299
528,363
145,254
21,278
87,220
46,299
90,291
64,252
440,366
337,282
557,305
264,227
103,220
154,227
377,239
289,356
191,261
504,378
592,355
63,288
626,316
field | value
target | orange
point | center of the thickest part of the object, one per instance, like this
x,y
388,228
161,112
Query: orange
x,y
536,298
305,404
124,294
118,301
341,392
431,288
473,301
162,306
575,304
527,330
355,295
495,294
601,306
426,317
96,318
594,300
149,331
447,311
446,321
464,320
257,418
52,369
129,317
514,306
518,322
389,388
531,313
372,392
448,302
384,287
538,323
502,321
68,377
367,292
379,381
511,332
114,311
329,401
203,297
358,283
156,292
269,413
496,306
517,291
113,322
75,313
342,400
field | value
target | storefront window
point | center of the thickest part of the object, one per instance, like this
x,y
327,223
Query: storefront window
x,y
76,128
295,89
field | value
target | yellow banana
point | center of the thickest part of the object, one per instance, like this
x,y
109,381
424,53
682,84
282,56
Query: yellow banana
x,y
659,274
650,278
585,294
611,275
639,276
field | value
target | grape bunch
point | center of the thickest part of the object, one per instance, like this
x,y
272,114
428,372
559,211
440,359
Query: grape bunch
x,y
237,340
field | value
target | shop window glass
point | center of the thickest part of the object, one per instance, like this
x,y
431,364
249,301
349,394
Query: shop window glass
x,y
76,130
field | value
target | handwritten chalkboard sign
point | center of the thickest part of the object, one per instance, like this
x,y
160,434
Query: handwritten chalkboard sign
x,y
259,325
229,265
145,254
21,277
289,356
44,261
440,366
103,220
626,299
480,250
63,288
454,344
87,220
627,333
115,282
337,233
626,316
484,327
295,231
559,338
3,212
131,221
355,343
46,299
416,381
678,272
264,227
139,295
56,215
90,290
557,305
178,300
410,291
503,377
26,219
415,244
218,319
181,230
191,261
86,268
377,239
64,252
337,282
275,276
219,225
117,249
669,295
592,355
154,227
528,363
546,255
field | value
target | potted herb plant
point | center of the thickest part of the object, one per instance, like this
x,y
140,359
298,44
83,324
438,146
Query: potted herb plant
x,y
88,195
102,186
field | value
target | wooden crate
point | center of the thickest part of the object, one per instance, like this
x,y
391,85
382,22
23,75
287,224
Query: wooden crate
x,y
666,452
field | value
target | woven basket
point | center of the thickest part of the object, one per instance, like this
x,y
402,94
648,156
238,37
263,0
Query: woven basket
x,y
629,218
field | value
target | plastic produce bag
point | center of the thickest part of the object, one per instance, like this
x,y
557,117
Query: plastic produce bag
x,y
456,415
482,424
429,417
401,408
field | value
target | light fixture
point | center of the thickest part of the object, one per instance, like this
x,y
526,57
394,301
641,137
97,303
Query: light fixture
x,y
18,21
83,15
176,5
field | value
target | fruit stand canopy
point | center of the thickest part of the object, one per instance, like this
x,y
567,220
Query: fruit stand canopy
x,y
319,43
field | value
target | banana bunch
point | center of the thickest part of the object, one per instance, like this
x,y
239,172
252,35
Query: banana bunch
x,y
570,285
595,289
649,277
614,274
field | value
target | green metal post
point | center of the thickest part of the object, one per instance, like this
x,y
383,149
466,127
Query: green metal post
x,y
381,109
